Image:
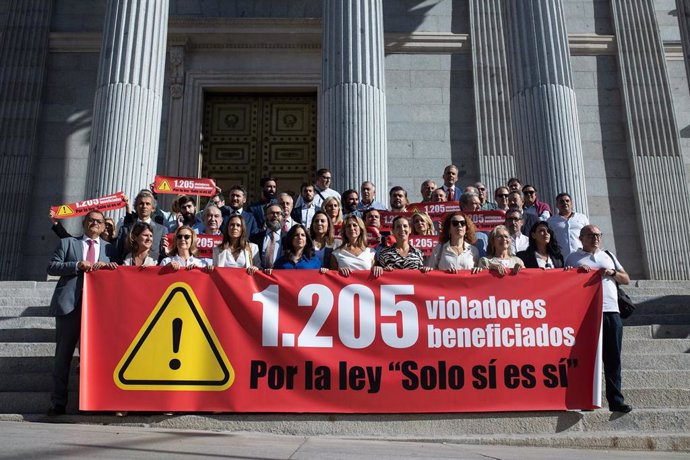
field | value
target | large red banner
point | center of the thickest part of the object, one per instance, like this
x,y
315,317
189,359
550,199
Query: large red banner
x,y
299,341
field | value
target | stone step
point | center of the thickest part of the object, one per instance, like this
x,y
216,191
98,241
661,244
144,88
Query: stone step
x,y
649,361
23,311
32,382
27,402
20,293
658,379
20,350
656,346
657,318
437,426
29,301
38,364
27,285
640,398
661,284
27,329
656,331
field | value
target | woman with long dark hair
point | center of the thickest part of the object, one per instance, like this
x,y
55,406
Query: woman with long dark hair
x,y
543,250
236,250
298,251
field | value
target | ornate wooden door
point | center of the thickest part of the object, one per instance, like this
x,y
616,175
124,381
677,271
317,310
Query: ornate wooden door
x,y
247,137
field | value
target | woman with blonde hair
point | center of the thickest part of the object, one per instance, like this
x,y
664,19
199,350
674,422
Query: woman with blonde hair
x,y
499,255
422,224
354,253
331,206
236,250
183,253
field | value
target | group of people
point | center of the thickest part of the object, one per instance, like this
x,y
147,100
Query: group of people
x,y
322,229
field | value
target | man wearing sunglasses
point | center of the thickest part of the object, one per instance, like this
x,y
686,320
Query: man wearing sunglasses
x,y
533,205
484,198
591,257
72,258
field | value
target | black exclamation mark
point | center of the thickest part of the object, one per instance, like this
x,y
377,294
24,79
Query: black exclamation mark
x,y
177,333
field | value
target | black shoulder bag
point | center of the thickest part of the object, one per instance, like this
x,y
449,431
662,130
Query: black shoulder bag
x,y
625,303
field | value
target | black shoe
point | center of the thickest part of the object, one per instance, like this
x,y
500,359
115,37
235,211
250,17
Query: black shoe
x,y
57,409
623,408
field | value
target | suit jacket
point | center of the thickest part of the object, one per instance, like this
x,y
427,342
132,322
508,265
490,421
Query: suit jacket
x,y
530,259
159,232
258,239
297,213
249,220
63,263
528,220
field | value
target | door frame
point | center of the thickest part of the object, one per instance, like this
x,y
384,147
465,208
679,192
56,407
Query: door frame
x,y
183,156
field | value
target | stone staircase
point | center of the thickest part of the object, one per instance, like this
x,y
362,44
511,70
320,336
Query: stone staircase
x,y
656,381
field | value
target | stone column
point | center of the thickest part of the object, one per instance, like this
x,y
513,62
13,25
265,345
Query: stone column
x,y
24,27
491,93
656,160
353,109
128,102
546,130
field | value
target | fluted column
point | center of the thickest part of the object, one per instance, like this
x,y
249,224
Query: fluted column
x,y
656,161
23,52
128,101
353,111
491,93
548,149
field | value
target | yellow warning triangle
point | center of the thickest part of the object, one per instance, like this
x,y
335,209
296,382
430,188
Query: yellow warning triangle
x,y
175,349
164,186
65,210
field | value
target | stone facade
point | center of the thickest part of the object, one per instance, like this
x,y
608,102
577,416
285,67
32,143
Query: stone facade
x,y
432,99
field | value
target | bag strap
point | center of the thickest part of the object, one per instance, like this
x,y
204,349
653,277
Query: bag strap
x,y
614,266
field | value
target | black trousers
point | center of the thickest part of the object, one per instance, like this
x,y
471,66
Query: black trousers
x,y
67,330
612,346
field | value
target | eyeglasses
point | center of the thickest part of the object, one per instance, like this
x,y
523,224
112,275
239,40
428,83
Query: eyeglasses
x,y
183,237
481,189
91,220
501,195
530,192
456,223
594,235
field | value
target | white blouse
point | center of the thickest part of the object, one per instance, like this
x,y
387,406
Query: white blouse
x,y
191,262
129,261
346,259
225,258
443,258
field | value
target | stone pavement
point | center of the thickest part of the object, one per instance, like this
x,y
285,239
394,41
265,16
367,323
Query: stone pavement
x,y
22,440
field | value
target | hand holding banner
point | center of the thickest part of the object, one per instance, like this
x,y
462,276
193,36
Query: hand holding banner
x,y
184,186
81,208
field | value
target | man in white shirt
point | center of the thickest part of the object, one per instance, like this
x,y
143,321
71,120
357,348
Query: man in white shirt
x,y
323,187
368,197
591,257
518,241
567,224
450,178
304,213
286,203
428,186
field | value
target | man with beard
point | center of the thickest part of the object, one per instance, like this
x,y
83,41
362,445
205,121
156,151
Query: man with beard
x,y
269,189
269,240
398,199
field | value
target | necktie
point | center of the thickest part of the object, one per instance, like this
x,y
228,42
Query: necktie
x,y
286,226
451,193
270,251
91,252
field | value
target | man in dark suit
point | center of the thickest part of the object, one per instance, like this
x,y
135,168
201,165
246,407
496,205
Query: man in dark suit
x,y
144,207
71,259
269,189
237,197
269,240
515,201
